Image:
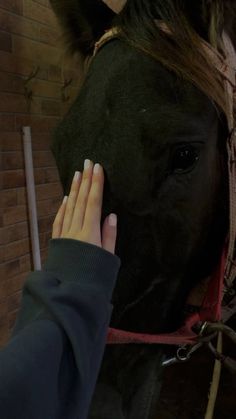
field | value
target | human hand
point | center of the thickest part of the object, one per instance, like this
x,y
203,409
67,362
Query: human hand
x,y
79,216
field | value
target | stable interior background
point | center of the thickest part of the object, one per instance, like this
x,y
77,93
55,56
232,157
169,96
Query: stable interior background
x,y
37,85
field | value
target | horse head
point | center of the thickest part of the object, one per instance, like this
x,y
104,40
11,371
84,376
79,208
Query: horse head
x,y
162,143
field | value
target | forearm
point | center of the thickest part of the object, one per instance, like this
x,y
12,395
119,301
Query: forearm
x,y
64,315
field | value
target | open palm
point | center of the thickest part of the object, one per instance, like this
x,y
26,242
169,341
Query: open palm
x,y
79,216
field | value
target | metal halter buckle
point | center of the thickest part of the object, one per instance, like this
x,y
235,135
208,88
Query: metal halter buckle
x,y
183,354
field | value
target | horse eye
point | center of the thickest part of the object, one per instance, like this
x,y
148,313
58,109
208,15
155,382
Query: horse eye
x,y
184,159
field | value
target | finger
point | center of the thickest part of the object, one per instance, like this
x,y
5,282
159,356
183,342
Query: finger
x,y
93,211
109,234
82,199
71,202
58,222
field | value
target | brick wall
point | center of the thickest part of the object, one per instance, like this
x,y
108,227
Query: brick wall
x,y
30,45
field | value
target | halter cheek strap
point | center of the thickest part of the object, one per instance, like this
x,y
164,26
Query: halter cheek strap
x,y
227,69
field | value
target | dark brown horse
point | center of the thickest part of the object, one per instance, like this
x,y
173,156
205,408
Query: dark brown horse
x,y
151,111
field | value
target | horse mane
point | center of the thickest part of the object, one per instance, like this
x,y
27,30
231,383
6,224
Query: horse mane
x,y
182,52
84,21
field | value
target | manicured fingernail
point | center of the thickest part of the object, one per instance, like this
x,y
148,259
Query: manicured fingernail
x,y
86,164
65,199
77,176
96,168
112,220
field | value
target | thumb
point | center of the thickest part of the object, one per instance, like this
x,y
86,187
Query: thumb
x,y
109,234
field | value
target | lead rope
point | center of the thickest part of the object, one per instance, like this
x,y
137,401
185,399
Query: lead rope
x,y
230,271
215,382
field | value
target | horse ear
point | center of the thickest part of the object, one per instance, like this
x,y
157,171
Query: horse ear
x,y
83,22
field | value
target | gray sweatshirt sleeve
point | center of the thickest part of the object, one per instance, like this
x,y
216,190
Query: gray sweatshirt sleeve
x,y
49,367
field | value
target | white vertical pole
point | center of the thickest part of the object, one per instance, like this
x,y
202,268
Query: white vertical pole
x,y
30,186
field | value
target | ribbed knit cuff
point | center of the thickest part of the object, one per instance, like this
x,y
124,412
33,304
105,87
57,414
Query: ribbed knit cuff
x,y
74,260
